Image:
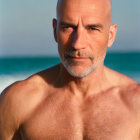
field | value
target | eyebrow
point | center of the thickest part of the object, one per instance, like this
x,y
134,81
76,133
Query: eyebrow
x,y
88,25
95,26
67,23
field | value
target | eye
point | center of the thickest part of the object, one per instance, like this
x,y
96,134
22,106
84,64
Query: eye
x,y
93,29
67,27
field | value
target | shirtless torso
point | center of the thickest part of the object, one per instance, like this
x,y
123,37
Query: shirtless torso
x,y
79,99
41,110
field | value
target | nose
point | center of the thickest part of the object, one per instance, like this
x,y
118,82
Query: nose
x,y
79,40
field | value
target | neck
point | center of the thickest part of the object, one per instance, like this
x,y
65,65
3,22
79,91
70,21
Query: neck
x,y
94,83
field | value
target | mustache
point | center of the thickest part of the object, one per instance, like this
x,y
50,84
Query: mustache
x,y
77,53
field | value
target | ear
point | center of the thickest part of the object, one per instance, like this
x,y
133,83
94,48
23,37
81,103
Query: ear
x,y
54,22
112,34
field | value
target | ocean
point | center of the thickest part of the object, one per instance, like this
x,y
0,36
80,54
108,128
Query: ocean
x,y
18,68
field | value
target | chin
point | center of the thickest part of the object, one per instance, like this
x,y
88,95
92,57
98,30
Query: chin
x,y
78,75
79,71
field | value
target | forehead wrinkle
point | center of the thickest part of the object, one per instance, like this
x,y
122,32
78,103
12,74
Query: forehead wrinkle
x,y
61,4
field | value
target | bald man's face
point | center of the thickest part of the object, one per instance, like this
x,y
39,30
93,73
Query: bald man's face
x,y
83,31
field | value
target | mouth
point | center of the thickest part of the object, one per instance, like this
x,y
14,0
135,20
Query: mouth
x,y
77,58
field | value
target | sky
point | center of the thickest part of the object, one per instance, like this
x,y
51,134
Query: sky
x,y
26,27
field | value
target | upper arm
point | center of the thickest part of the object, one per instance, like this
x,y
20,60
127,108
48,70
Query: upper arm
x,y
7,122
9,119
17,103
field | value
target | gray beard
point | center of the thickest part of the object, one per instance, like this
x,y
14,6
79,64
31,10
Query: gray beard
x,y
68,67
68,63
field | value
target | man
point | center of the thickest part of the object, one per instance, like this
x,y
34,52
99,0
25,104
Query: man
x,y
79,99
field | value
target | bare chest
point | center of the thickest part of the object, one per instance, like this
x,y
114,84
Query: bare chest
x,y
63,119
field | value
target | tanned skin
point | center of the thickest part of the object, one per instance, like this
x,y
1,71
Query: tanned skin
x,y
80,98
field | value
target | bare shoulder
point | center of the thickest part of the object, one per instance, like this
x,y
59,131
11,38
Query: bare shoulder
x,y
131,95
128,89
21,96
24,94
119,79
21,99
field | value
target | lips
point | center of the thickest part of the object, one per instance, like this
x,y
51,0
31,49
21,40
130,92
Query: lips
x,y
76,58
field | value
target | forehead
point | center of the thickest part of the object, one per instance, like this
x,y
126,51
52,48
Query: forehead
x,y
86,9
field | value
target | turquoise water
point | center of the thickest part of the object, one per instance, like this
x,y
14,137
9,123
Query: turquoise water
x,y
13,69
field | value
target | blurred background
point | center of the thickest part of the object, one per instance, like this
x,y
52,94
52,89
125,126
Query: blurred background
x,y
27,44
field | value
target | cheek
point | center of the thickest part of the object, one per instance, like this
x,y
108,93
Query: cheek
x,y
101,40
61,41
99,45
63,38
63,44
61,50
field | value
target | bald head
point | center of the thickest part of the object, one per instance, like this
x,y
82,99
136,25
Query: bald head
x,y
107,5
84,27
